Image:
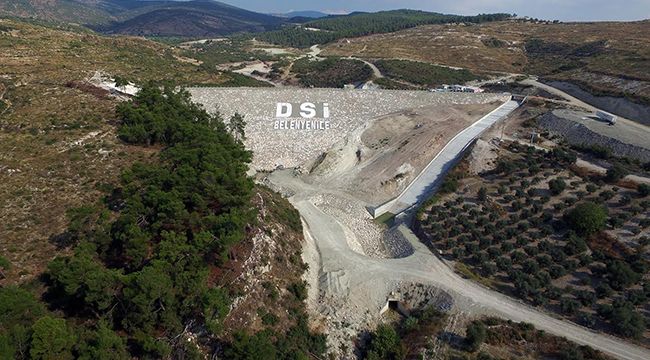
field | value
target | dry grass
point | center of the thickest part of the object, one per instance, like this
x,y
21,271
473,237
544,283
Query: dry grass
x,y
57,142
464,46
626,54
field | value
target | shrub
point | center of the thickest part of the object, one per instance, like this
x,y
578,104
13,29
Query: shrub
x,y
4,266
606,195
569,306
587,218
385,344
625,200
19,309
615,173
482,194
299,290
530,266
52,339
557,271
575,245
475,335
643,189
556,186
102,343
626,320
620,275
246,347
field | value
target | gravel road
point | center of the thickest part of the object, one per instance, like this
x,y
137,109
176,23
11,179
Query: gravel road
x,y
579,103
354,287
354,277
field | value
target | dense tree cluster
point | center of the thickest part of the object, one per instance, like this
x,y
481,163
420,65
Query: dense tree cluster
x,y
140,265
331,72
354,25
545,248
423,74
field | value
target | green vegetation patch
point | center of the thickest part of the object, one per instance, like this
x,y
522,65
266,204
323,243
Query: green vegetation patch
x,y
549,57
389,84
423,74
235,49
239,80
361,24
487,338
140,263
331,72
535,230
404,339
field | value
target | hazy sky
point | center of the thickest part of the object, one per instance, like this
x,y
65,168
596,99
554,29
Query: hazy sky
x,y
546,9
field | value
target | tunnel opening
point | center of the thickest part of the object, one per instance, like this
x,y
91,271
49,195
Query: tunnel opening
x,y
395,306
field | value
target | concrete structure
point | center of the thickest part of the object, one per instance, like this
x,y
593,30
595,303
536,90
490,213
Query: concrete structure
x,y
429,179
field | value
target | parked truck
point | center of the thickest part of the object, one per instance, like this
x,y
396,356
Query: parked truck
x,y
611,119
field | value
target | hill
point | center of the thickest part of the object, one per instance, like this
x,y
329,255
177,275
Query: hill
x,y
606,58
75,11
191,19
52,122
361,24
67,169
148,18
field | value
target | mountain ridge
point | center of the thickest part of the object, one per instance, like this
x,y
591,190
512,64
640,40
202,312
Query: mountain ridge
x,y
152,18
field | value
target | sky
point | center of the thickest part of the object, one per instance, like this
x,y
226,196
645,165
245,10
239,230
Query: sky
x,y
565,10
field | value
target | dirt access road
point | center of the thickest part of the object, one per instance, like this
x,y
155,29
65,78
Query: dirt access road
x,y
581,104
353,287
357,280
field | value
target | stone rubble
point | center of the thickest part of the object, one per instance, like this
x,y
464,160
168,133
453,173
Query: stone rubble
x,y
349,109
365,235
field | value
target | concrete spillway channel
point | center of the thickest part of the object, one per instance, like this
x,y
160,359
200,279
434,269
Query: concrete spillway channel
x,y
431,176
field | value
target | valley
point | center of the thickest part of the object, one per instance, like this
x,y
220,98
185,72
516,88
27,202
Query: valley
x,y
193,180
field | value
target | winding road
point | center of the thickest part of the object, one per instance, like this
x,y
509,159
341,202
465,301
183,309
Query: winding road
x,y
571,100
361,283
362,274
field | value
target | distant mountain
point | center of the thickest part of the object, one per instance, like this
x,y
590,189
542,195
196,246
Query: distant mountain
x,y
306,14
72,11
147,18
356,24
191,19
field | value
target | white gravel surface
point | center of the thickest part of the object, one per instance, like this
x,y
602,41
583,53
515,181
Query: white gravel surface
x,y
349,109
